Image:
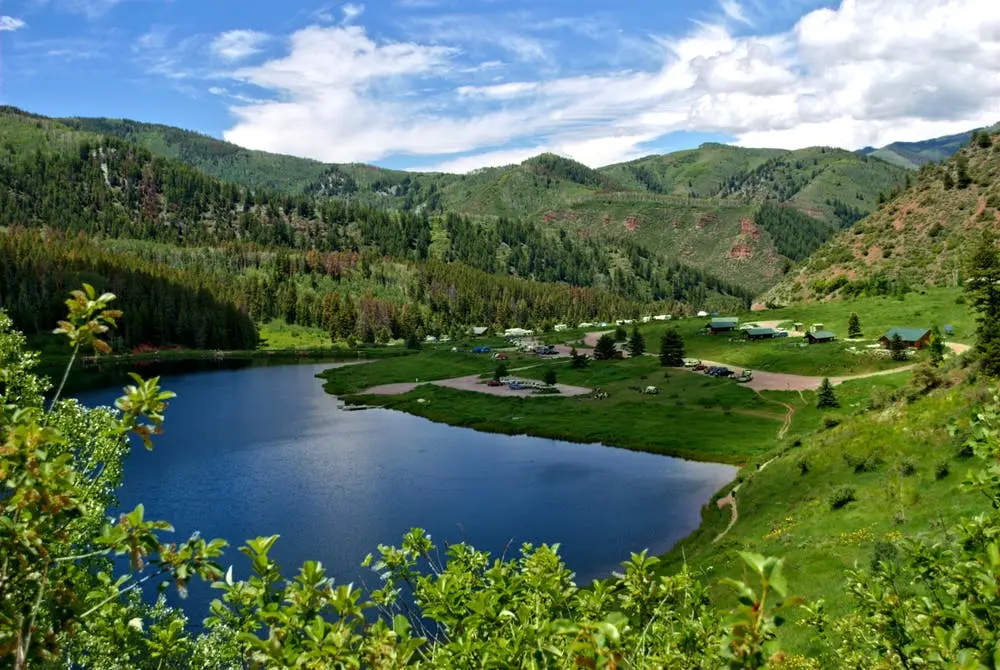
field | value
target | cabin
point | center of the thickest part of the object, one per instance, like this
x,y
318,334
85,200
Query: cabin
x,y
723,325
918,338
761,333
820,337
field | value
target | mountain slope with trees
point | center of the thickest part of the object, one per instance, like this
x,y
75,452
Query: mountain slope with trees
x,y
911,155
696,207
913,240
104,188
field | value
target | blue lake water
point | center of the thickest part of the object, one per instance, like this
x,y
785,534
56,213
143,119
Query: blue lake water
x,y
264,450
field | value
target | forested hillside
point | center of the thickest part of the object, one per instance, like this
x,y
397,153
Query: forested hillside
x,y
167,306
669,195
915,239
106,188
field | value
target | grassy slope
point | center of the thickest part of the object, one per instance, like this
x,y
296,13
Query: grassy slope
x,y
877,315
918,237
786,513
912,155
695,172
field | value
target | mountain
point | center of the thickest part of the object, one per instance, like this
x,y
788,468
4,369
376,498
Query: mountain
x,y
916,239
57,176
911,155
702,207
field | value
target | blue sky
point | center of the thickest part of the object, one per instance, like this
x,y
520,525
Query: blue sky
x,y
453,85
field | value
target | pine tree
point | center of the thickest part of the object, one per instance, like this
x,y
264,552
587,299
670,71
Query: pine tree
x,y
826,397
577,361
636,343
854,326
550,377
937,347
982,267
500,372
671,349
605,348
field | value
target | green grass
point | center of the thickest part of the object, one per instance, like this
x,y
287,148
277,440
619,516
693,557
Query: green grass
x,y
278,335
783,512
693,416
428,365
878,314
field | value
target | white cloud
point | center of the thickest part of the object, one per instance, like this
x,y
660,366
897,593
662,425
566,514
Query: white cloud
x,y
734,10
235,45
865,72
10,24
351,11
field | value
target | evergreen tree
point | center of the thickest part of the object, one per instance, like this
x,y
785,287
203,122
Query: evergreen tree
x,y
948,181
636,343
605,349
826,397
500,372
620,334
897,349
412,341
984,140
550,377
671,348
937,346
578,361
982,268
962,178
854,326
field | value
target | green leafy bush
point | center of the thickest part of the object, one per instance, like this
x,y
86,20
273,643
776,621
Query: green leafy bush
x,y
842,496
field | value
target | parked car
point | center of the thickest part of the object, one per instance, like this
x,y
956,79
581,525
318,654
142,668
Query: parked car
x,y
515,386
499,356
493,382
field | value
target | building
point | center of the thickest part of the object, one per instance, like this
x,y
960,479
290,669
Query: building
x,y
918,338
761,333
820,336
723,325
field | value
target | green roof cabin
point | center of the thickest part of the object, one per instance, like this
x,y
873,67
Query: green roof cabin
x,y
761,333
723,325
918,338
820,336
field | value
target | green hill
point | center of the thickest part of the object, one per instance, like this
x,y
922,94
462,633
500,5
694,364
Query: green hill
x,y
914,240
701,207
79,181
911,155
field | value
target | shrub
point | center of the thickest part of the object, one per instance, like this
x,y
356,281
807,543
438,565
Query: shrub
x,y
803,465
868,463
842,496
830,422
942,470
907,467
883,553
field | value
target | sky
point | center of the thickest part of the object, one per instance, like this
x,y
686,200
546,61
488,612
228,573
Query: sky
x,y
456,85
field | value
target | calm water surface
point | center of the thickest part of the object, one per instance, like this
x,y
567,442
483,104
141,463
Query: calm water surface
x,y
263,451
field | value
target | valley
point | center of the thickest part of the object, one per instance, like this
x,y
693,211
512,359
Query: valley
x,y
732,315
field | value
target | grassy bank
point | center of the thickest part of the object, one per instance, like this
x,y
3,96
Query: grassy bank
x,y
693,416
904,468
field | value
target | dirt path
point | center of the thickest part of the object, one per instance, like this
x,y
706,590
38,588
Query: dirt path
x,y
472,383
781,381
730,500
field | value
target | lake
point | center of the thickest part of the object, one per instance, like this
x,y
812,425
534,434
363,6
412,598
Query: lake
x,y
264,450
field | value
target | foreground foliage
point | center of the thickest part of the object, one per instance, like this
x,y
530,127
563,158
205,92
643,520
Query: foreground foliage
x,y
64,602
